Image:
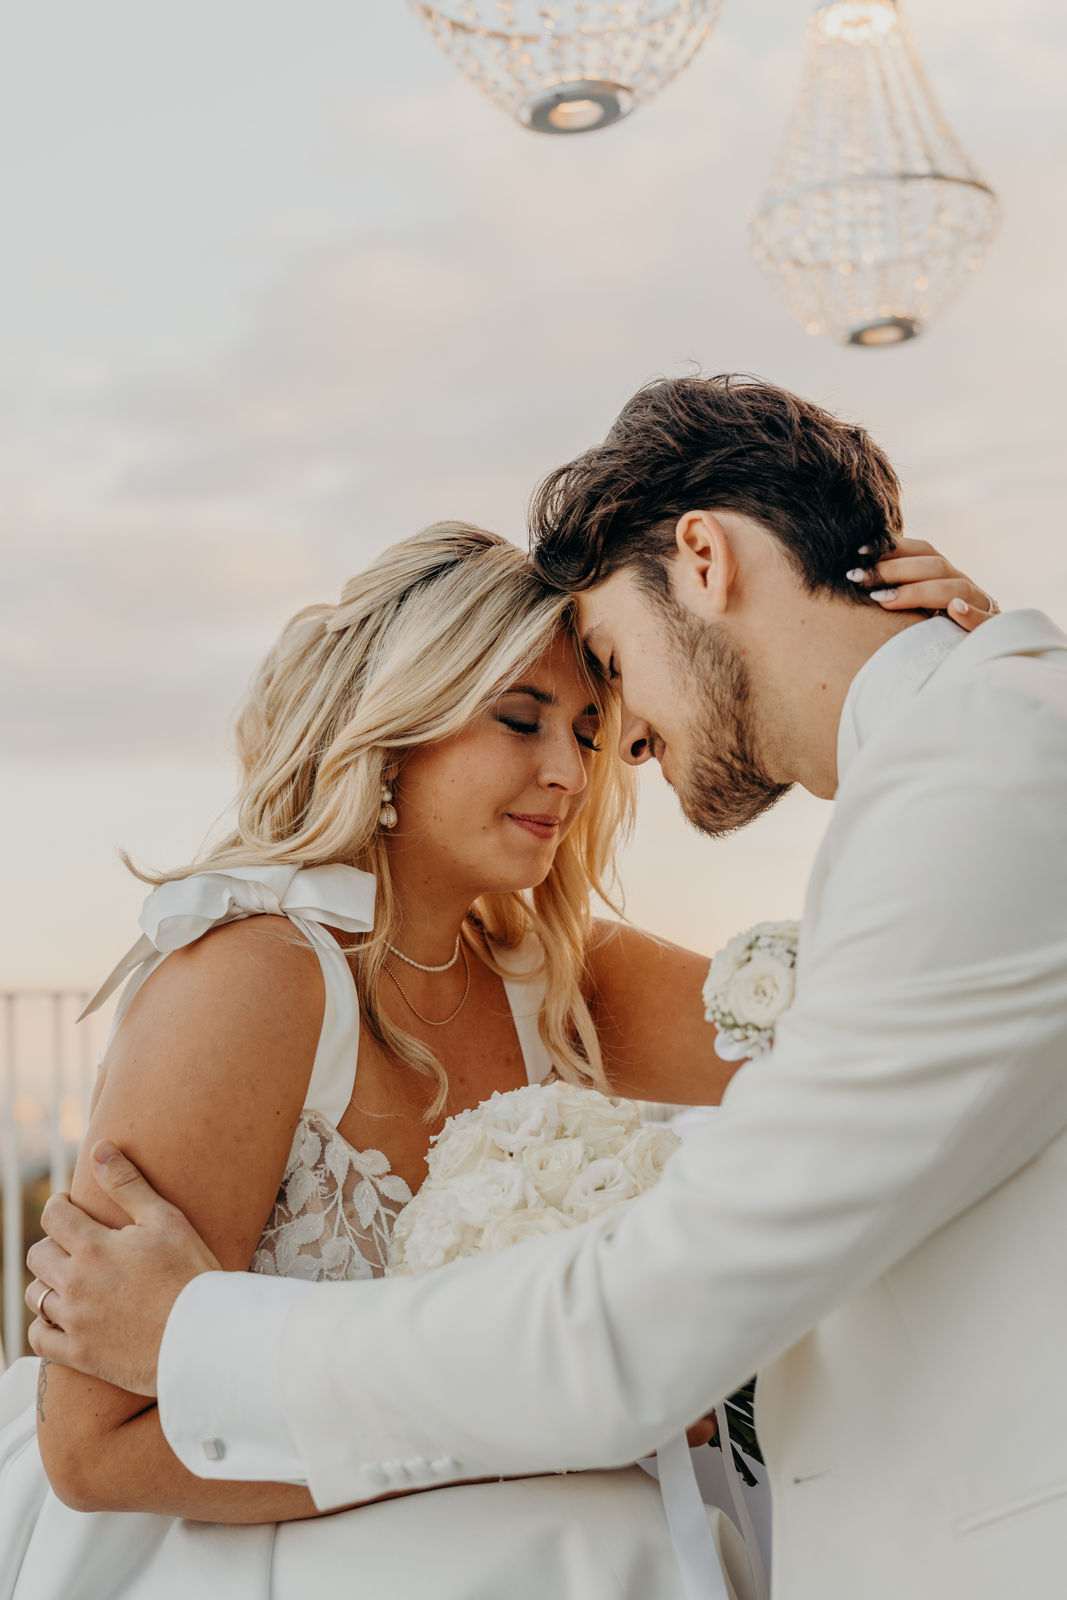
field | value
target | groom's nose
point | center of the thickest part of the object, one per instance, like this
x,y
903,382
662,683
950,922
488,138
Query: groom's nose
x,y
635,741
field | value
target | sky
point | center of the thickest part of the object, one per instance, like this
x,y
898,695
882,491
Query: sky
x,y
282,287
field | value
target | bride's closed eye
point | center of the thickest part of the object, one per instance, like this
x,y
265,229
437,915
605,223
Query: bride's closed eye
x,y
586,740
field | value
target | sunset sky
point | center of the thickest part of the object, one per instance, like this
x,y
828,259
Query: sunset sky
x,y
282,287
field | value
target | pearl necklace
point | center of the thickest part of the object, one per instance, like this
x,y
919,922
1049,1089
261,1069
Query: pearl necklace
x,y
446,968
452,1015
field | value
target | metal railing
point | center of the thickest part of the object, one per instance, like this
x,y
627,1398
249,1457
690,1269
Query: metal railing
x,y
47,1068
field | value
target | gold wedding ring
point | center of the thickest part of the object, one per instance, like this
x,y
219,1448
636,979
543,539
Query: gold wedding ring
x,y
41,1312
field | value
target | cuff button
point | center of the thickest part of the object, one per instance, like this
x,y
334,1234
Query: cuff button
x,y
214,1449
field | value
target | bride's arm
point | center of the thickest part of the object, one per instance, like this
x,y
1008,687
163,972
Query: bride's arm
x,y
649,1014
204,1082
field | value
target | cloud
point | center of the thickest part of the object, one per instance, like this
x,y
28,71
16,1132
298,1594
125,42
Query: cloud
x,y
476,315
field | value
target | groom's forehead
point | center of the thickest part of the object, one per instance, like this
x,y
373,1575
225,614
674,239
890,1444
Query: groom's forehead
x,y
599,609
607,610
592,625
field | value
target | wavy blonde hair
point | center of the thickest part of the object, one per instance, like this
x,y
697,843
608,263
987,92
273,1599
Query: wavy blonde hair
x,y
420,645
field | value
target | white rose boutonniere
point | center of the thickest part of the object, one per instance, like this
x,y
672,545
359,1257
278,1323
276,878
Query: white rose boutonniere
x,y
750,986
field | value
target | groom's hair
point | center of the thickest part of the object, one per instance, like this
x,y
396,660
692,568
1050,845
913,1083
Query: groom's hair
x,y
730,443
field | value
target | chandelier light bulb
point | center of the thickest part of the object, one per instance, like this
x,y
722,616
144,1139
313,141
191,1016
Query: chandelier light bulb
x,y
874,218
569,68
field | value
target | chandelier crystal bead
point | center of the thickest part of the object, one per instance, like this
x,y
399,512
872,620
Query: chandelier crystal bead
x,y
574,67
874,218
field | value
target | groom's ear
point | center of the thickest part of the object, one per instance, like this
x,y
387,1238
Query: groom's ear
x,y
705,566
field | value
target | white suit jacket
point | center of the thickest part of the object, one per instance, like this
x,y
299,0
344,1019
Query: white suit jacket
x,y
876,1222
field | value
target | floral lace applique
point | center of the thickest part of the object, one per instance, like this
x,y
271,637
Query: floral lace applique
x,y
335,1209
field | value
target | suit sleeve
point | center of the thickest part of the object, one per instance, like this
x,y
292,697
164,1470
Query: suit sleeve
x,y
205,1385
921,1066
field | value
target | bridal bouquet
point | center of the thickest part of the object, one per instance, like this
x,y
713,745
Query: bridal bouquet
x,y
528,1162
750,985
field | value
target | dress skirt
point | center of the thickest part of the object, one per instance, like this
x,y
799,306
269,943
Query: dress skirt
x,y
572,1536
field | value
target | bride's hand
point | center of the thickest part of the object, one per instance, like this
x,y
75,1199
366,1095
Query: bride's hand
x,y
702,1432
916,577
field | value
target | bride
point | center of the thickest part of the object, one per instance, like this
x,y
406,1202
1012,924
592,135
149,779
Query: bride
x,y
398,925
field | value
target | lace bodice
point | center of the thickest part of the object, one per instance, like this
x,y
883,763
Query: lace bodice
x,y
335,1210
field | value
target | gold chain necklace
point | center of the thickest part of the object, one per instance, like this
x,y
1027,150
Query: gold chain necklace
x,y
429,1021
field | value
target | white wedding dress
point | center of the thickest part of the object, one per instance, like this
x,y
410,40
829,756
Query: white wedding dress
x,y
576,1536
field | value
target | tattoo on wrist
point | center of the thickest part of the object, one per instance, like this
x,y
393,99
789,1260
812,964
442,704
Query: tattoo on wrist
x,y
42,1385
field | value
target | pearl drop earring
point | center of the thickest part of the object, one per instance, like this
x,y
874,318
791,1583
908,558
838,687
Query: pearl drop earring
x,y
387,817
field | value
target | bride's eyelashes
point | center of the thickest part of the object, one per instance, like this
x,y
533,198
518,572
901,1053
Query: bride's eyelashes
x,y
587,741
519,727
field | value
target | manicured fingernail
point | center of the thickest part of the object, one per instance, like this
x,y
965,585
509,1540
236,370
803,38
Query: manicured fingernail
x,y
883,594
857,575
104,1152
959,606
864,550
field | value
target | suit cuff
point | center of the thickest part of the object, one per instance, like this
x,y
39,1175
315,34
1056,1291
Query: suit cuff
x,y
220,1401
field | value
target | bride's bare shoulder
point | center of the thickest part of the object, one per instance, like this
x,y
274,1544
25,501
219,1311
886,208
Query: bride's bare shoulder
x,y
260,966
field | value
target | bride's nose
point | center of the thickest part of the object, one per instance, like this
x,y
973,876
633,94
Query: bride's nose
x,y
563,766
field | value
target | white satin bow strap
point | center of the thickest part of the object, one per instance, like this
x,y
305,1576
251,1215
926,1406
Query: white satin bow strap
x,y
313,898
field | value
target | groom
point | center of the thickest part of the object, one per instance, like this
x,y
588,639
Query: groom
x,y
876,1219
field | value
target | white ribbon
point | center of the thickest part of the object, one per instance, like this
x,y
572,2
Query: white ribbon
x,y
694,1547
180,912
745,1524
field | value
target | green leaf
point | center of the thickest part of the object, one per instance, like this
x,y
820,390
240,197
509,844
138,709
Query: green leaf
x,y
741,1421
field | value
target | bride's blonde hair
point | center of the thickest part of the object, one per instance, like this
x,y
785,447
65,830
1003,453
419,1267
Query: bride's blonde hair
x,y
421,644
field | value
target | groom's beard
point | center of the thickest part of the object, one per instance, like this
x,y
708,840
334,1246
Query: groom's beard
x,y
724,786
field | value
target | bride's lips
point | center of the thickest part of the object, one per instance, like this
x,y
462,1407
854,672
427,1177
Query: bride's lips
x,y
542,827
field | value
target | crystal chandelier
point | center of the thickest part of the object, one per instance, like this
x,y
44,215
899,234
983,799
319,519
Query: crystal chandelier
x,y
874,218
569,68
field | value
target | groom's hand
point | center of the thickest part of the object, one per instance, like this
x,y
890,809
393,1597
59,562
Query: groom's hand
x,y
112,1288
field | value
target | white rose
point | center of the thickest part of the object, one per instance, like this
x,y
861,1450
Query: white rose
x,y
552,1167
784,934
521,1117
428,1233
601,1123
403,1228
726,965
481,1197
647,1154
460,1149
531,1223
599,1186
761,992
